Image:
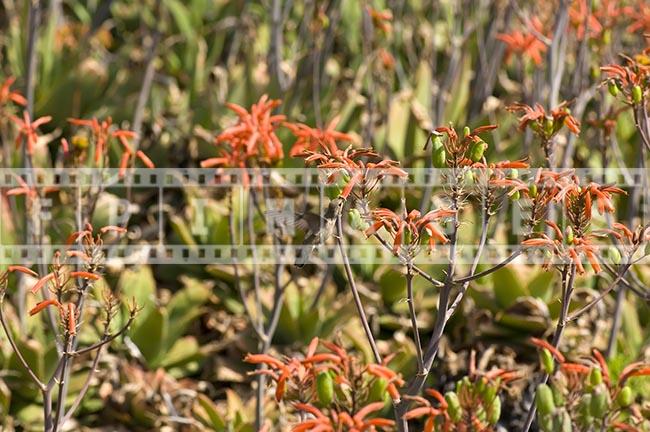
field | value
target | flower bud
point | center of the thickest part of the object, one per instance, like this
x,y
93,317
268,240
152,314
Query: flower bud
x,y
625,397
569,235
558,397
325,388
454,409
545,423
532,190
466,131
545,403
549,125
637,94
356,221
612,87
546,358
514,173
595,376
515,196
439,157
493,411
476,150
614,254
378,390
599,404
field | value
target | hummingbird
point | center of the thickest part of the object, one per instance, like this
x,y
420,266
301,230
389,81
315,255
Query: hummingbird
x,y
317,228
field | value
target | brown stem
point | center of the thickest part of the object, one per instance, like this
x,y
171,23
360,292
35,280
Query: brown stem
x,y
568,277
16,350
413,314
355,291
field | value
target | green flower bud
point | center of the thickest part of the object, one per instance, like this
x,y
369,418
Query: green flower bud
x,y
625,397
547,361
607,37
569,235
545,423
599,403
493,411
563,422
515,196
614,254
612,87
439,157
584,407
325,388
637,94
514,173
544,401
476,150
490,392
469,177
549,125
558,397
378,390
532,190
466,131
356,221
454,409
595,376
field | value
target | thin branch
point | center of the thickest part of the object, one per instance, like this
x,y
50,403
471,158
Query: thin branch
x,y
414,319
502,264
602,295
105,341
355,291
84,389
16,350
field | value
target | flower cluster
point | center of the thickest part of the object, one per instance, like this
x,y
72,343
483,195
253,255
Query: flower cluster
x,y
101,133
583,395
28,130
407,230
7,95
252,141
339,392
456,152
576,239
360,170
310,139
544,124
630,81
526,43
474,405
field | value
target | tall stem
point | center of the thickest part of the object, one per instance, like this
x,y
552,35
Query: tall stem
x,y
568,277
355,291
413,314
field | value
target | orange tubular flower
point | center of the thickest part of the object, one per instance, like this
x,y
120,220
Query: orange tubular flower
x,y
42,305
410,226
364,168
254,133
21,269
577,14
310,139
6,95
545,124
527,44
28,130
541,343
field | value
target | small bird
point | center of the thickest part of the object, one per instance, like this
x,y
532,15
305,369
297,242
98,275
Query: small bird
x,y
317,228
